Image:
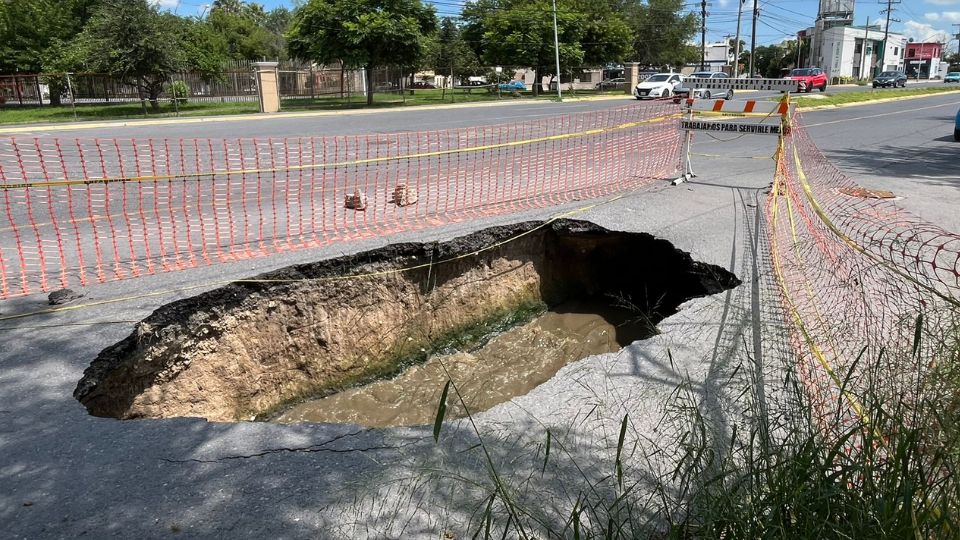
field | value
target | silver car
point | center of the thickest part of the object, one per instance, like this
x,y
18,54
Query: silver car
x,y
685,90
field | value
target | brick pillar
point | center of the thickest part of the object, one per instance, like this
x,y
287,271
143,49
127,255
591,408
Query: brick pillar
x,y
632,75
268,85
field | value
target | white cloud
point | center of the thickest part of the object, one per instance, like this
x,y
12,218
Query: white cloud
x,y
943,2
951,16
924,32
168,4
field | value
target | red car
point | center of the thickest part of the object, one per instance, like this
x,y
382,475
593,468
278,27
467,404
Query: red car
x,y
811,77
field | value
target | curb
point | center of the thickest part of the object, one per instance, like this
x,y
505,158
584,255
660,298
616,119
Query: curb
x,y
72,126
875,101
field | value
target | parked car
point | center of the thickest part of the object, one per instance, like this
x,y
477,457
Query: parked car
x,y
423,85
513,86
661,85
956,127
811,78
684,90
890,78
610,84
953,76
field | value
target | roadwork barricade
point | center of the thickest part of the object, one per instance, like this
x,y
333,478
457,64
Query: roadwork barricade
x,y
81,211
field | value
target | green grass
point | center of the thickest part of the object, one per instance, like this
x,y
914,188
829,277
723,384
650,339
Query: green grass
x,y
869,95
892,473
425,97
120,111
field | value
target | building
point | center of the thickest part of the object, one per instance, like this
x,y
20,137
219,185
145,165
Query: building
x,y
854,51
845,50
922,60
831,14
718,57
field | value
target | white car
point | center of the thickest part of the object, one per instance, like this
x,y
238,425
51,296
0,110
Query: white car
x,y
661,85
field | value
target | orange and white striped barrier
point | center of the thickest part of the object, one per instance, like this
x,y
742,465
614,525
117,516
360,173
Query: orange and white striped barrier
x,y
734,108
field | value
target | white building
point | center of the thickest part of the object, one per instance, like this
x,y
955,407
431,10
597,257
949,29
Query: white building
x,y
854,51
718,57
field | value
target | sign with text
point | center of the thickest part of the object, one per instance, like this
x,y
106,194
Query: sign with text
x,y
776,85
730,127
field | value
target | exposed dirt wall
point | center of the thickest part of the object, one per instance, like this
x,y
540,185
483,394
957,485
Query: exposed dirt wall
x,y
250,347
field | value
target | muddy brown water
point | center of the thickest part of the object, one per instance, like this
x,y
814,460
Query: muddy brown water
x,y
508,365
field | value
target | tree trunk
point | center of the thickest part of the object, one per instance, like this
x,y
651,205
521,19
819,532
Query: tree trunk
x,y
155,90
143,102
369,85
537,82
56,92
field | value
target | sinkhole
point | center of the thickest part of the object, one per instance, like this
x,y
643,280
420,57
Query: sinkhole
x,y
372,338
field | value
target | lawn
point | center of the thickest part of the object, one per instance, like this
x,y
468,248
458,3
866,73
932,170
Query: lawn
x,y
121,111
869,95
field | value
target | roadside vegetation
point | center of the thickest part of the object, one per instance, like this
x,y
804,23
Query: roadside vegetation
x,y
166,109
870,95
137,48
890,471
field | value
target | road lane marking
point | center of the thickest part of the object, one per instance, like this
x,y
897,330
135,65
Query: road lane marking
x,y
878,115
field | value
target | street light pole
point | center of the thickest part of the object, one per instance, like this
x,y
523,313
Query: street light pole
x,y
556,50
736,49
703,34
753,37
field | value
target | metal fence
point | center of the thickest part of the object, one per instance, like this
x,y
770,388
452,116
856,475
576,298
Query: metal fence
x,y
296,81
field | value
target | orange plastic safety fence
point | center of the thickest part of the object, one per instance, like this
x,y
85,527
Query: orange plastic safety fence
x,y
854,274
94,210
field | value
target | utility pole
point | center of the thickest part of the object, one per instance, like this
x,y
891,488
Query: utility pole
x,y
863,49
799,45
753,37
736,47
556,50
886,33
957,36
703,34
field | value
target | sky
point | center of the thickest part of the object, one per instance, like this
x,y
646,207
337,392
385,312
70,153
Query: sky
x,y
922,20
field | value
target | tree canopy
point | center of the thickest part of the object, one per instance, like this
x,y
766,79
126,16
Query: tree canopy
x,y
362,33
661,32
520,33
133,41
31,29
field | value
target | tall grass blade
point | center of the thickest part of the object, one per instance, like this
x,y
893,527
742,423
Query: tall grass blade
x,y
546,454
917,334
441,412
623,433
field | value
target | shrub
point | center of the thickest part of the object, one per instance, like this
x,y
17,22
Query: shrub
x,y
180,91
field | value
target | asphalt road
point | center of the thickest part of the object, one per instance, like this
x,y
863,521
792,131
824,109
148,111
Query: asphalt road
x,y
361,121
67,474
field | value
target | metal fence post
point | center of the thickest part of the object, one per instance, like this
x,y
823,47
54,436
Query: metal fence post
x,y
36,83
73,101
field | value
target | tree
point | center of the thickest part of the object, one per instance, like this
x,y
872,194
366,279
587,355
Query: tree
x,y
133,41
276,23
448,53
662,31
361,33
237,24
771,59
204,50
29,28
520,32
